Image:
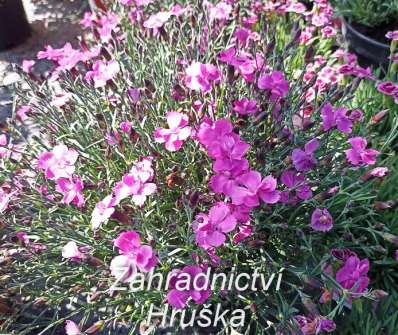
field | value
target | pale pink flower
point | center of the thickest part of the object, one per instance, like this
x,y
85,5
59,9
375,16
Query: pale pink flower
x,y
221,11
72,191
379,172
27,65
177,133
58,163
102,212
61,99
72,328
71,251
157,21
108,23
5,198
102,72
22,111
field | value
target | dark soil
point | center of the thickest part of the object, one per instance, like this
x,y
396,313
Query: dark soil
x,y
377,33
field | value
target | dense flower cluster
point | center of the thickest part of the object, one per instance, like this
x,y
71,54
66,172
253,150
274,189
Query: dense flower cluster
x,y
263,160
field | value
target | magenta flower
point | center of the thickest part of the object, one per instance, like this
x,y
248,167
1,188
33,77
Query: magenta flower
x,y
244,231
102,72
210,229
125,127
225,179
304,160
102,212
358,154
392,35
180,291
58,163
71,251
379,172
321,220
132,256
177,133
200,77
245,106
297,188
210,133
387,88
72,191
274,82
336,118
353,275
252,188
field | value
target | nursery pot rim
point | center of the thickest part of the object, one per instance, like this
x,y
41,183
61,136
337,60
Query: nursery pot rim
x,y
364,37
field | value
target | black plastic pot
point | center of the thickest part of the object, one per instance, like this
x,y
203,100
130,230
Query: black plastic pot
x,y
14,26
373,51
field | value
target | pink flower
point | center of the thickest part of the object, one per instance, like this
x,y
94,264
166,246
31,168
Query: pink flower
x,y
5,198
210,229
58,163
252,188
379,172
304,160
107,24
102,72
3,146
157,21
134,187
88,20
177,133
321,220
392,35
276,83
336,118
199,77
245,106
353,276
244,232
358,154
22,111
72,191
296,184
71,251
102,212
61,99
328,32
387,88
221,11
125,126
133,255
180,292
72,328
27,65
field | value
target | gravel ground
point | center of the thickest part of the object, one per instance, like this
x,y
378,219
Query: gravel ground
x,y
53,22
